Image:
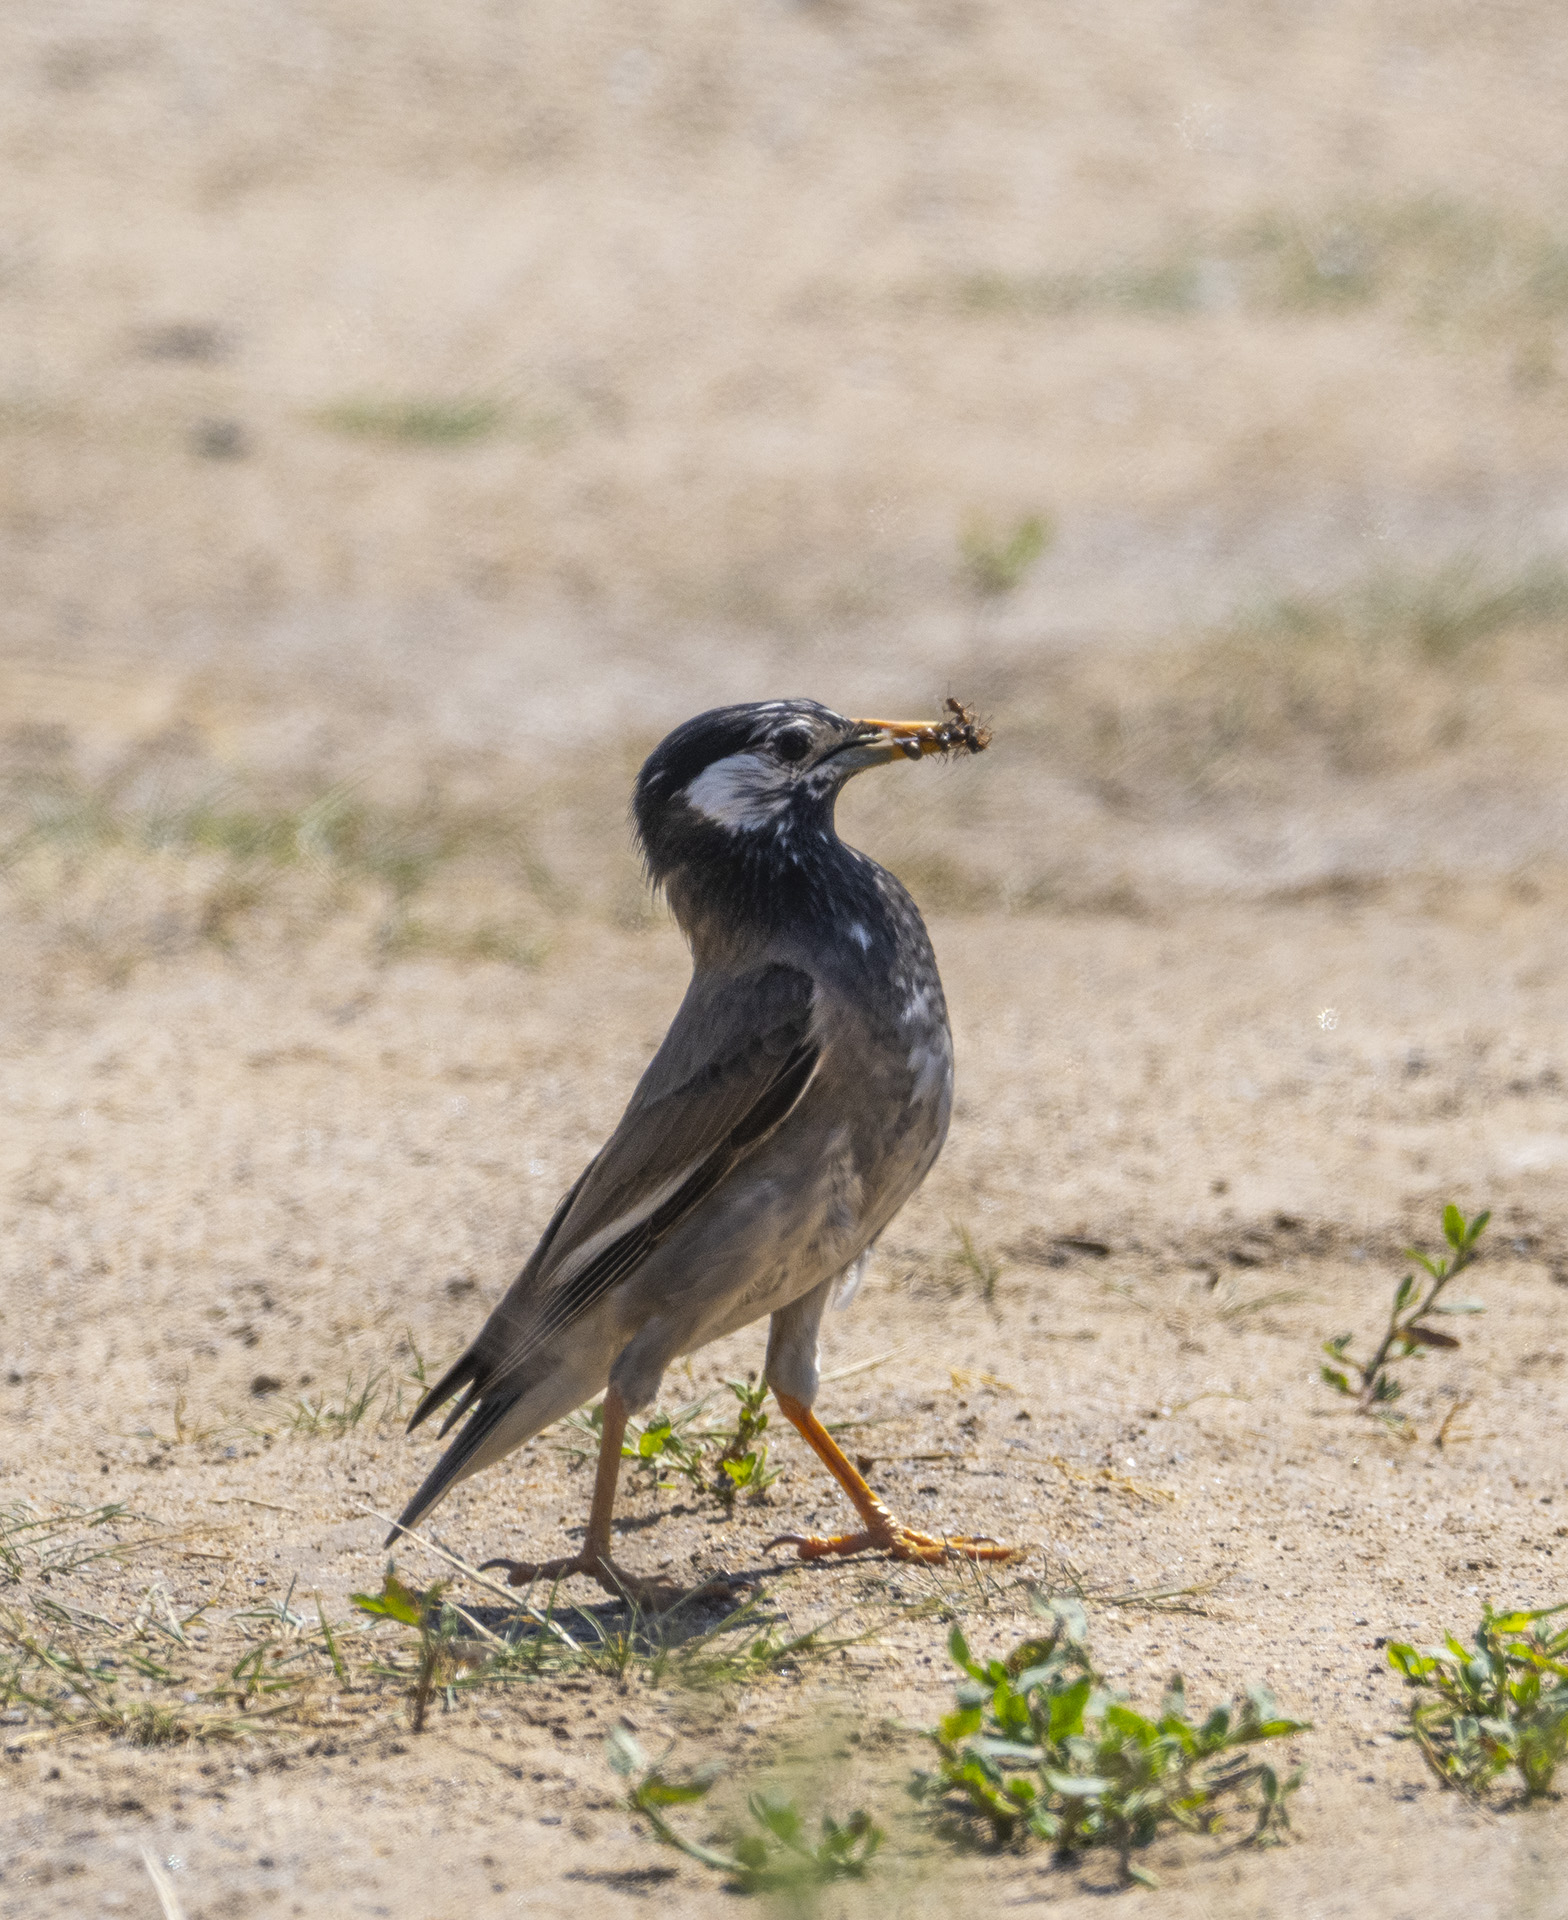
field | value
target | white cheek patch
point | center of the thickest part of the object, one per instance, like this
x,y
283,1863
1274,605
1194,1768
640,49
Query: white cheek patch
x,y
742,793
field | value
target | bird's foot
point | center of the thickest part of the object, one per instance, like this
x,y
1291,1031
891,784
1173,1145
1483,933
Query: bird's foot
x,y
649,1595
901,1542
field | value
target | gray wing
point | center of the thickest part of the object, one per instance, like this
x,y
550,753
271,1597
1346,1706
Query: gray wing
x,y
738,1056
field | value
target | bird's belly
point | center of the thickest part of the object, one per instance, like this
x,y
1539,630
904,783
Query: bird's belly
x,y
789,1218
804,1206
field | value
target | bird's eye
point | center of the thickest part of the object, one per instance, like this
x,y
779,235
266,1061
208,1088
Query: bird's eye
x,y
793,745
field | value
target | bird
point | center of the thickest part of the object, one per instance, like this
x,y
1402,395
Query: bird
x,y
800,1096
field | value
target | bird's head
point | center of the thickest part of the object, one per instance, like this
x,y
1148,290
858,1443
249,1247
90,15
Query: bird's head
x,y
752,788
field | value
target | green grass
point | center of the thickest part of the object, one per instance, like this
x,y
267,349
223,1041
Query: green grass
x,y
995,563
1391,674
416,422
147,1680
149,860
973,1265
1438,263
1170,285
338,829
165,1673
37,1545
616,1642
323,1417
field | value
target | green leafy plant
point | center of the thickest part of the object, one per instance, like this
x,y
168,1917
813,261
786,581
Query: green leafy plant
x,y
1501,1704
778,1854
663,1446
720,1460
1038,1745
433,1621
1370,1383
742,1465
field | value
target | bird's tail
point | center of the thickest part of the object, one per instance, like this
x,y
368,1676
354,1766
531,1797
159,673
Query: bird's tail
x,y
501,1416
459,1460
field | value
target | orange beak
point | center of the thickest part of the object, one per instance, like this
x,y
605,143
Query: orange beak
x,y
912,738
887,739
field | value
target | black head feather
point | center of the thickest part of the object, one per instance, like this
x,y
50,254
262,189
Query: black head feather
x,y
734,814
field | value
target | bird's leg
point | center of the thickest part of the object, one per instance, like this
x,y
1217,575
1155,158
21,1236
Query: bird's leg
x,y
656,1596
881,1530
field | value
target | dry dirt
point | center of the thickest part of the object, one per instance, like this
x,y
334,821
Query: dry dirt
x,y
220,1172
401,424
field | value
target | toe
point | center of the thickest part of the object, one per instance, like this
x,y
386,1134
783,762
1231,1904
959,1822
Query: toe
x,y
979,1549
521,1573
816,1546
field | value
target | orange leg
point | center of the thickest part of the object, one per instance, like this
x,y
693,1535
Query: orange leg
x,y
881,1530
594,1560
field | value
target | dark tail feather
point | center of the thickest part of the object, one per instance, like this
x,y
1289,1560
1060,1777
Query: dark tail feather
x,y
450,1466
460,1374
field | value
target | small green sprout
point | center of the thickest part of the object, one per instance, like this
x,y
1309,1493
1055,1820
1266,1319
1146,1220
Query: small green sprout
x,y
742,1463
1038,1745
434,1622
723,1461
778,1857
433,422
1370,1383
1502,1704
663,1446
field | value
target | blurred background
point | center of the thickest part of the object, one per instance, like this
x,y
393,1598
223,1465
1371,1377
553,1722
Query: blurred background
x,y
407,414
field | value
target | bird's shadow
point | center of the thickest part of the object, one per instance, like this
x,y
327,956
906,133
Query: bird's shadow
x,y
546,1621
640,1522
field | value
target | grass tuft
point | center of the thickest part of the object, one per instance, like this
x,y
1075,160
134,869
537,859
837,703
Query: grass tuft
x,y
41,1546
973,1264
1439,264
994,563
1367,682
159,857
314,1418
430,422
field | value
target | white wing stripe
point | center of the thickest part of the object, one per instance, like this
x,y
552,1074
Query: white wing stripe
x,y
623,1223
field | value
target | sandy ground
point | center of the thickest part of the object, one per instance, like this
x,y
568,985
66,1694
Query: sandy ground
x,y
230,1176
402,423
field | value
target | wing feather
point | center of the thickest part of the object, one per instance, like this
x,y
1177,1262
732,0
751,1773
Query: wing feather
x,y
738,1055
737,1058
